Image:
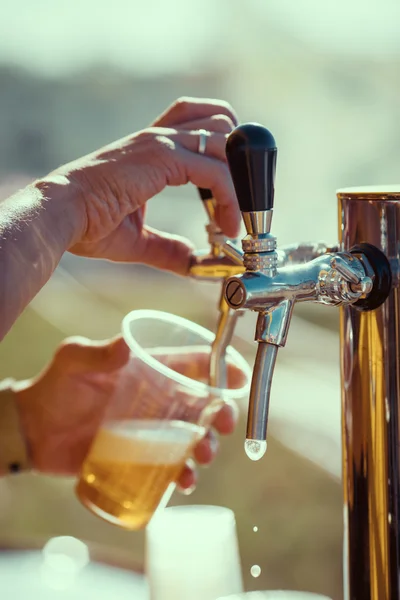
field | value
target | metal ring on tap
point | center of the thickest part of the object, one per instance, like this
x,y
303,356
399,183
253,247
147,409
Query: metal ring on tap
x,y
264,243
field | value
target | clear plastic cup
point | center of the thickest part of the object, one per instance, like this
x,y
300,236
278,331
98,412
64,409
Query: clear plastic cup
x,y
275,595
161,406
192,552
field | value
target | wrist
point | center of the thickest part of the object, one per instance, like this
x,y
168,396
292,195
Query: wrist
x,y
65,214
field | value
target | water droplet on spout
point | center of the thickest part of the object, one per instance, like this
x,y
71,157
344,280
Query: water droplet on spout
x,y
255,449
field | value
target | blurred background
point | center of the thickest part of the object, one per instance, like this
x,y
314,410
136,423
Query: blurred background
x,y
324,77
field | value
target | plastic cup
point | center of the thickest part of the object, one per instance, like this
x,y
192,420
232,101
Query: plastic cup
x,y
192,552
160,407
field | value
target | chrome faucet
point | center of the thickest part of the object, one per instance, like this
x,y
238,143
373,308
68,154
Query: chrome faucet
x,y
360,275
223,260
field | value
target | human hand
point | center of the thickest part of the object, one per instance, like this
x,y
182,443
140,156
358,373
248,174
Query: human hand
x,y
112,185
62,409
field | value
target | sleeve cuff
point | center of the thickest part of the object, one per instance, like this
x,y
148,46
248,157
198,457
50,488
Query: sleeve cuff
x,y
13,451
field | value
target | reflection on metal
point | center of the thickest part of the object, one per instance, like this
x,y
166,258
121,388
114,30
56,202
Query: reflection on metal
x,y
297,254
257,222
370,365
329,279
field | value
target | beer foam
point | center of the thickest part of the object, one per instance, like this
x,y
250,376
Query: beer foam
x,y
146,442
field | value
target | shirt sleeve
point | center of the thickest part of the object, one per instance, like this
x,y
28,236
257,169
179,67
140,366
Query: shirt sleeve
x,y
13,451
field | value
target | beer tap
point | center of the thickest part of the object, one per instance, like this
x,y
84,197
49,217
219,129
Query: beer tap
x,y
223,260
217,263
356,277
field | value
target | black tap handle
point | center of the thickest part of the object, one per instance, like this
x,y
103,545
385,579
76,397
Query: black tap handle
x,y
251,152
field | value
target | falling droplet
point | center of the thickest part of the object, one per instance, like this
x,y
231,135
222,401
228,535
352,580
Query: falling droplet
x,y
255,528
255,449
255,571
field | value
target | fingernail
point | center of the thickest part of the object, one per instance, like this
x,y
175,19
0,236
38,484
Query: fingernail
x,y
189,490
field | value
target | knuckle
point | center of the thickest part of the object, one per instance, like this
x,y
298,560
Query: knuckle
x,y
74,341
159,151
155,137
164,147
144,135
225,122
68,347
182,105
232,114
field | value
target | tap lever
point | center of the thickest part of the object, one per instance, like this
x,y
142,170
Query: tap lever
x,y
223,337
215,236
232,252
205,194
209,205
216,265
251,153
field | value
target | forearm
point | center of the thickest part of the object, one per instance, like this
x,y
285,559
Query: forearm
x,y
37,225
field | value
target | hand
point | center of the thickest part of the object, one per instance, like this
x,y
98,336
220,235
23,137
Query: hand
x,y
113,184
62,409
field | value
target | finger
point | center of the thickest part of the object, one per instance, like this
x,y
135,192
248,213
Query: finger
x,y
226,418
237,378
206,450
180,163
206,172
216,123
163,251
188,478
82,354
190,109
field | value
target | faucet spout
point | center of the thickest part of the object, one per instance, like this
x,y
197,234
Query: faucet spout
x,y
257,417
271,332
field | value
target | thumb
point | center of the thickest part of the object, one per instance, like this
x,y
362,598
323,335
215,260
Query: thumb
x,y
80,354
164,251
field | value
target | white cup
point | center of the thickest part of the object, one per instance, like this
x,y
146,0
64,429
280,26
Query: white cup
x,y
192,552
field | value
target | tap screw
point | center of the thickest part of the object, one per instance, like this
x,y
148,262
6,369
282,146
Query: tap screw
x,y
234,293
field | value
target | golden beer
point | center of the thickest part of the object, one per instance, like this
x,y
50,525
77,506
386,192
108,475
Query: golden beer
x,y
131,465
